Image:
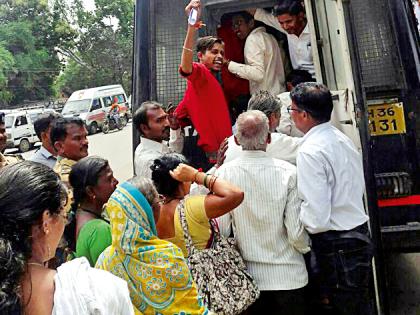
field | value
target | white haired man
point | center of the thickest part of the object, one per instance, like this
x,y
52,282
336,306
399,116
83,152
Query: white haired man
x,y
266,225
282,146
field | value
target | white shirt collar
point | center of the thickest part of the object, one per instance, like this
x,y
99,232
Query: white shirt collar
x,y
253,154
306,29
47,154
316,129
258,29
152,145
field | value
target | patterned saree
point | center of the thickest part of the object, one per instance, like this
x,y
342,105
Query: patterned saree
x,y
156,273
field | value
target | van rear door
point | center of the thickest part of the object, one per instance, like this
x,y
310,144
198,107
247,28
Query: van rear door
x,y
332,62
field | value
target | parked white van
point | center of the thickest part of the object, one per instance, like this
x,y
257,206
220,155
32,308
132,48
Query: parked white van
x,y
91,105
20,128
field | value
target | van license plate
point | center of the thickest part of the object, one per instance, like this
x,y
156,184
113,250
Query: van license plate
x,y
386,119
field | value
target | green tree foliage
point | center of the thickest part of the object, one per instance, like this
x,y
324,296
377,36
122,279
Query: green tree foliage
x,y
7,63
53,46
30,31
102,53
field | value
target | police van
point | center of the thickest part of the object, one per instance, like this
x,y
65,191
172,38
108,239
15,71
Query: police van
x,y
367,53
92,105
20,127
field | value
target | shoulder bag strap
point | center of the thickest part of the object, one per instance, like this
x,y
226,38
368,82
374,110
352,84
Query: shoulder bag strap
x,y
187,237
215,229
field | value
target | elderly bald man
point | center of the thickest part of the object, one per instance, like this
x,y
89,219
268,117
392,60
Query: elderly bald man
x,y
266,225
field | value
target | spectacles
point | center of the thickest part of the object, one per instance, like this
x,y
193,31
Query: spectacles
x,y
289,109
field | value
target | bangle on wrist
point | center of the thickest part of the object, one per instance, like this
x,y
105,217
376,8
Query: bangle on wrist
x,y
205,180
187,49
212,182
195,176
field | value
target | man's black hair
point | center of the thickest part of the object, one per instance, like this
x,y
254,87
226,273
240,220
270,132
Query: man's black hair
x,y
299,76
2,119
140,115
315,99
245,15
59,128
44,121
292,7
207,43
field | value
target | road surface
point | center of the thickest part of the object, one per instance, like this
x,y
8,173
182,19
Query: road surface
x,y
116,147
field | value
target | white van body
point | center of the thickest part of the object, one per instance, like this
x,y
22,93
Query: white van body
x,y
20,129
91,105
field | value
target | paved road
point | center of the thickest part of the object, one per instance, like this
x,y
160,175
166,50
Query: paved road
x,y
115,146
403,270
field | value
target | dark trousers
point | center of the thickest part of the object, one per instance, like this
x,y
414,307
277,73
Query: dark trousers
x,y
340,273
285,302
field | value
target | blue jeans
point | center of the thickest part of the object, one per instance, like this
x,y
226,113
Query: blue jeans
x,y
341,271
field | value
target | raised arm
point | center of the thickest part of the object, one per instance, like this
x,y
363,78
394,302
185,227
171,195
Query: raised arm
x,y
225,197
268,19
187,50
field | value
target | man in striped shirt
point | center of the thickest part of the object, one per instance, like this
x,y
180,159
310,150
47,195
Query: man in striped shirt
x,y
266,225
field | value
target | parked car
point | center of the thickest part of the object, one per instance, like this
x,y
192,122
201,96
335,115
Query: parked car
x,y
20,128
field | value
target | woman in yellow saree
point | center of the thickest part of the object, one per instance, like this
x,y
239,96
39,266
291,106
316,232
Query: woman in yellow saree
x,y
157,275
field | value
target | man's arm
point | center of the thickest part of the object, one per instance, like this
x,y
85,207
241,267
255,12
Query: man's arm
x,y
269,19
284,147
315,191
254,56
187,50
285,125
296,233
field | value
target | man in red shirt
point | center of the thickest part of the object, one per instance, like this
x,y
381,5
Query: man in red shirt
x,y
204,102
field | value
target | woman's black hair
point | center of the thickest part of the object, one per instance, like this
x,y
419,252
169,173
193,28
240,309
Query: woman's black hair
x,y
83,174
27,189
165,184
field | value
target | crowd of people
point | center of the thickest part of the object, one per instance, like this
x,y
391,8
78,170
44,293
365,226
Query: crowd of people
x,y
284,183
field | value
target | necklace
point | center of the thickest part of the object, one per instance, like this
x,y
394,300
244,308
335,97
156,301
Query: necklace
x,y
36,264
98,216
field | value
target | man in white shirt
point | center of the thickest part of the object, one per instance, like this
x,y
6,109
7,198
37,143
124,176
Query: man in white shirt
x,y
263,66
289,17
281,146
154,127
46,154
286,125
331,185
266,225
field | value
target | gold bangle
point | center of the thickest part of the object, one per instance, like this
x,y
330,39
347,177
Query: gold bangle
x,y
195,176
205,180
212,182
187,49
